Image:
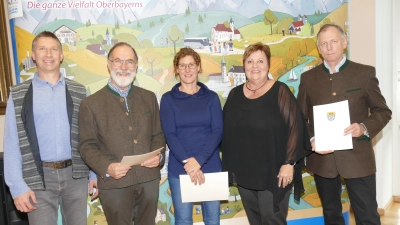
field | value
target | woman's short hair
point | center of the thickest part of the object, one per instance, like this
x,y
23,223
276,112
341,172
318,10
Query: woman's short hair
x,y
183,52
257,47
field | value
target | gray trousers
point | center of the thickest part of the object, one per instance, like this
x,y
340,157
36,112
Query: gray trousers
x,y
64,191
136,203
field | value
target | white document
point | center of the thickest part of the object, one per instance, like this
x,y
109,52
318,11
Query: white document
x,y
215,188
330,120
138,159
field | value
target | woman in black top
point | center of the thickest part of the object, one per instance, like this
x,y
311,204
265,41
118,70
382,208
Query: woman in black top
x,y
263,140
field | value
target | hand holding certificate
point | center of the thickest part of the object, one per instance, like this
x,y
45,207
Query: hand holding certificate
x,y
330,120
138,159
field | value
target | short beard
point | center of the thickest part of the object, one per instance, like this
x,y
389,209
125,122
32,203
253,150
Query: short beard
x,y
122,82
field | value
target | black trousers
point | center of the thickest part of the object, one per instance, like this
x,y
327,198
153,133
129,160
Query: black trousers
x,y
136,203
259,207
362,194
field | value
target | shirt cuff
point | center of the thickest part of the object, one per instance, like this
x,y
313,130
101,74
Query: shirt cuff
x,y
15,192
92,176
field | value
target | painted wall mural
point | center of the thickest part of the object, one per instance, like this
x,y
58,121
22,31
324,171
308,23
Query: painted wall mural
x,y
219,30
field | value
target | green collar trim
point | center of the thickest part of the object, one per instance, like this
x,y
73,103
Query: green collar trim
x,y
346,63
116,93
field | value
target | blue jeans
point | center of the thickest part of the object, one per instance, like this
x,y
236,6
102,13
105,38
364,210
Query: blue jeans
x,y
184,211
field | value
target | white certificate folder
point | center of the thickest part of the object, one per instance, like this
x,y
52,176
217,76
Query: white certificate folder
x,y
330,120
139,159
215,188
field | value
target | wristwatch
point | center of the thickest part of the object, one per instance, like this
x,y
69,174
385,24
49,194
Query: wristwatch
x,y
365,129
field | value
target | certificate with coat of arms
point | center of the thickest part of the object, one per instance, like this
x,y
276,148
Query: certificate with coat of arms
x,y
330,120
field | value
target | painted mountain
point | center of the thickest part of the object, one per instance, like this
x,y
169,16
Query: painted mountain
x,y
250,9
223,5
332,4
156,8
111,16
309,7
180,6
247,8
282,6
95,13
26,22
80,15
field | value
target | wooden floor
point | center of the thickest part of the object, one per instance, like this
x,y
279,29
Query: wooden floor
x,y
391,216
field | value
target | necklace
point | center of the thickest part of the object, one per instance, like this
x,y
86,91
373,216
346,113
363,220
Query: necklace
x,y
257,88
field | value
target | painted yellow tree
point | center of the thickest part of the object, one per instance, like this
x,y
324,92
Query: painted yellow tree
x,y
175,35
151,58
270,18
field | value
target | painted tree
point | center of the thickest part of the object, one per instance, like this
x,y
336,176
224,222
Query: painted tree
x,y
309,44
270,18
305,30
161,20
138,25
291,57
113,32
146,43
227,25
283,24
92,33
200,20
312,29
233,191
129,22
151,58
175,35
99,38
187,28
326,21
300,49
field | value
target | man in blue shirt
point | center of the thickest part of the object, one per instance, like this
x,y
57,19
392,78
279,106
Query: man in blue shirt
x,y
43,168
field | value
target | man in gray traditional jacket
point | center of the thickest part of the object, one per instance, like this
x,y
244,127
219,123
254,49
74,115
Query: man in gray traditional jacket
x,y
43,168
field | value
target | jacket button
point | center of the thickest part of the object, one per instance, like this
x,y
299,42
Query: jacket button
x,y
121,99
334,93
330,78
130,127
135,141
126,113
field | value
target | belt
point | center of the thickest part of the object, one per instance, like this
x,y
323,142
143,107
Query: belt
x,y
58,165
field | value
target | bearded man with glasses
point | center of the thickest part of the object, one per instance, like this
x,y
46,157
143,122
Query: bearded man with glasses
x,y
122,120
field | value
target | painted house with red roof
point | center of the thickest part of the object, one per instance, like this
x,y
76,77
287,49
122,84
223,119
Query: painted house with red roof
x,y
221,33
295,27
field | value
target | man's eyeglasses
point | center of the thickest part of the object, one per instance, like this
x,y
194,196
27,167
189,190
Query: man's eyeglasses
x,y
190,65
130,63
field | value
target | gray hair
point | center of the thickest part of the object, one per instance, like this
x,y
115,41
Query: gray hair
x,y
326,26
